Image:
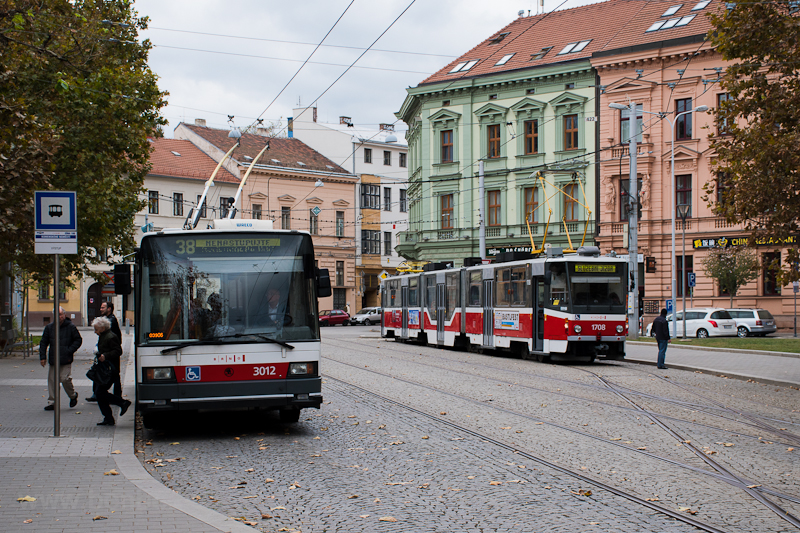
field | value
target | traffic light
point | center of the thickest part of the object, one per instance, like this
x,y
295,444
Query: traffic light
x,y
122,279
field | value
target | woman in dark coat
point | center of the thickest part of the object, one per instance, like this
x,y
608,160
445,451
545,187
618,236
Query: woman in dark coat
x,y
108,349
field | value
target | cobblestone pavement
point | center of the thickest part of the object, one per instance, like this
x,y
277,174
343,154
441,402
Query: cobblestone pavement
x,y
362,462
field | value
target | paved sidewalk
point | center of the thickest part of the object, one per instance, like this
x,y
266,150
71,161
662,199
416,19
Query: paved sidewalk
x,y
68,476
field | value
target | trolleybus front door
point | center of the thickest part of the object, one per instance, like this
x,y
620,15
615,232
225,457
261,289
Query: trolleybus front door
x,y
488,313
538,309
441,312
404,304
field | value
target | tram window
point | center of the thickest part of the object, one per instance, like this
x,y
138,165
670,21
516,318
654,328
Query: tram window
x,y
475,286
453,293
430,293
393,301
559,297
502,296
413,298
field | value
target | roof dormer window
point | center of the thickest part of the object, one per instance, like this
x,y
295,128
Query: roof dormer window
x,y
496,39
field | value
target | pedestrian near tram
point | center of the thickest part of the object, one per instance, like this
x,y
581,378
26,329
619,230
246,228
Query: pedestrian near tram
x,y
69,340
108,349
661,331
107,310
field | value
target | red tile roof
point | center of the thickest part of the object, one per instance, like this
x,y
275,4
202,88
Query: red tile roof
x,y
288,152
610,25
190,162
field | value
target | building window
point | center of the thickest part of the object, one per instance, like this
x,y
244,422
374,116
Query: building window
x,y
152,202
387,199
531,204
256,212
370,242
225,204
771,262
202,207
403,160
494,208
625,124
447,211
624,202
102,255
313,223
340,223
722,186
683,193
387,158
493,139
387,243
722,123
683,126
286,217
570,203
339,298
44,290
570,132
447,146
367,155
683,273
370,196
339,273
531,137
403,201
177,204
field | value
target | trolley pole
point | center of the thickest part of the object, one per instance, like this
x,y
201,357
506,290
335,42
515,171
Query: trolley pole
x,y
56,350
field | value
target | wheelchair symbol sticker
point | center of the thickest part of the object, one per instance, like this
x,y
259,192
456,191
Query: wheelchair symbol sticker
x,y
192,373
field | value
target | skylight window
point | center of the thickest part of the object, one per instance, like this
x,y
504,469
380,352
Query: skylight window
x,y
685,20
175,153
301,163
463,67
571,48
541,53
248,158
670,24
504,60
275,161
701,5
672,10
497,39
656,26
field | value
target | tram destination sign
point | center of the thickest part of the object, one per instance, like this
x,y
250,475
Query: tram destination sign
x,y
595,268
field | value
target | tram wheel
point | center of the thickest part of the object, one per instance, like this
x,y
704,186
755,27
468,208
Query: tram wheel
x,y
289,415
525,353
542,358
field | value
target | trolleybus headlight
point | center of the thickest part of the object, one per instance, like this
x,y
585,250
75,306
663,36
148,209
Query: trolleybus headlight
x,y
577,328
159,374
620,329
302,369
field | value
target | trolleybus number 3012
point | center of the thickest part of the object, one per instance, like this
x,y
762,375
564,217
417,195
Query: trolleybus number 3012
x,y
264,371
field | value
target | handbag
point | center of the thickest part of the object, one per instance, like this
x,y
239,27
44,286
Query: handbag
x,y
101,373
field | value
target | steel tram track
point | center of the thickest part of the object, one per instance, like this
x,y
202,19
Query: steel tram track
x,y
785,515
514,449
694,407
737,482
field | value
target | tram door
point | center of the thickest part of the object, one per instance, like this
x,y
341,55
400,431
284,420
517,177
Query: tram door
x,y
488,310
404,304
538,309
441,311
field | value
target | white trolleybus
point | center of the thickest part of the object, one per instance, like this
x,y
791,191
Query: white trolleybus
x,y
555,306
226,318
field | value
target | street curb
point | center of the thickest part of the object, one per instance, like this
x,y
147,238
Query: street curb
x,y
742,377
130,467
727,350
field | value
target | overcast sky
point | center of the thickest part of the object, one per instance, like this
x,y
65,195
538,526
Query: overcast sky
x,y
241,68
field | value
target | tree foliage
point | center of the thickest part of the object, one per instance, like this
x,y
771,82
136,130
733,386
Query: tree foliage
x,y
759,155
733,268
77,103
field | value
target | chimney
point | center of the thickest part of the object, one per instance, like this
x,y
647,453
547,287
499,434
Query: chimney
x,y
200,122
387,127
346,120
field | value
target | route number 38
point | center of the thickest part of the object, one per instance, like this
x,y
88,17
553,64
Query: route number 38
x,y
185,246
264,371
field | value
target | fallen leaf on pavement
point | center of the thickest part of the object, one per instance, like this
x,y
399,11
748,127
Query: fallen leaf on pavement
x,y
280,507
265,516
173,443
495,483
269,480
387,519
789,449
111,472
250,470
28,521
425,437
652,499
26,499
100,517
618,438
116,452
364,515
506,427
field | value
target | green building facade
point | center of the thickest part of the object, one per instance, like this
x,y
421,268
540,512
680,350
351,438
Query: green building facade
x,y
517,122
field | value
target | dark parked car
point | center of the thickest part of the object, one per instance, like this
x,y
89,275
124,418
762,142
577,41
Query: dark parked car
x,y
331,318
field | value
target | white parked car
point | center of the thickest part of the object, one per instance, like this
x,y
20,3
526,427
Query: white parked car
x,y
367,316
703,323
758,322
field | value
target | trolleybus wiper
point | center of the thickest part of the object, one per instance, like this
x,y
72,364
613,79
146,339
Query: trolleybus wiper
x,y
216,340
187,344
260,336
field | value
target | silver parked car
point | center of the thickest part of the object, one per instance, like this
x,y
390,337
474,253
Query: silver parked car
x,y
757,322
367,316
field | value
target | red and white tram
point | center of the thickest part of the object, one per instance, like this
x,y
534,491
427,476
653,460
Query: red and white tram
x,y
555,306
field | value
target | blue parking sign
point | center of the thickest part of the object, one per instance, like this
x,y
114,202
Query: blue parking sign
x,y
669,306
691,279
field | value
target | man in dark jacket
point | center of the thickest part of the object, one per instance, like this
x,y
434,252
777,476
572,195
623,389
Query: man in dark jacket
x,y
69,340
107,310
661,332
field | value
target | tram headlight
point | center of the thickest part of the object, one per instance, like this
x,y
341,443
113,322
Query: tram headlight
x,y
159,374
302,369
577,328
620,328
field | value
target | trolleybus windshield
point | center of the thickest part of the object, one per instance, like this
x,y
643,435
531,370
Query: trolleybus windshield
x,y
226,287
597,287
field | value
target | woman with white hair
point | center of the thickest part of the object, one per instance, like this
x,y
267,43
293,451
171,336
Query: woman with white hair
x,y
108,349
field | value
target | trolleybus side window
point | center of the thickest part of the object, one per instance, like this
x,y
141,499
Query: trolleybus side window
x,y
475,287
453,293
413,292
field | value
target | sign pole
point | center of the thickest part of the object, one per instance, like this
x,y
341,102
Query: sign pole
x,y
56,350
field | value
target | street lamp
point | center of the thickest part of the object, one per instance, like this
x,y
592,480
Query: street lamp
x,y
683,212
